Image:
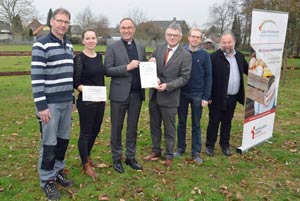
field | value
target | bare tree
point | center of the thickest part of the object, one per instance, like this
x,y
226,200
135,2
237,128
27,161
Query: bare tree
x,y
221,15
9,9
101,25
148,30
138,16
86,18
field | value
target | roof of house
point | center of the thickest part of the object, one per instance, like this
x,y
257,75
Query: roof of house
x,y
34,24
163,24
41,30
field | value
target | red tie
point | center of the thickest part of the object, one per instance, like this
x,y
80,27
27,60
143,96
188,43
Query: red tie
x,y
166,56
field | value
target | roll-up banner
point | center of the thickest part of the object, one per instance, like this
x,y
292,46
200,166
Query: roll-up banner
x,y
268,33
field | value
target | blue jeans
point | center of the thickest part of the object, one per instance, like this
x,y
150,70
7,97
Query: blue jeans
x,y
196,107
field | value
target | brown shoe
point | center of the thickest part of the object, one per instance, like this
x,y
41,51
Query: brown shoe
x,y
88,170
91,162
152,157
168,162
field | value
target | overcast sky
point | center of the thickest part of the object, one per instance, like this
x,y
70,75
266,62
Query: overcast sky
x,y
194,12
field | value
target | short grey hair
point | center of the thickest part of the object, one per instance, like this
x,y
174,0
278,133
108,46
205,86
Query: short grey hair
x,y
228,32
61,11
128,18
175,26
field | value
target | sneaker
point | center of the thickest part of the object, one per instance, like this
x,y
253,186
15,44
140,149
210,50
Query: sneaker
x,y
197,159
209,151
61,178
177,153
51,191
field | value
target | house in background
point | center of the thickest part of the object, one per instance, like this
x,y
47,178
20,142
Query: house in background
x,y
5,32
163,24
36,29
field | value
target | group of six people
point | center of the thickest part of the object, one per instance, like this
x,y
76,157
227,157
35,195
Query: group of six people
x,y
185,75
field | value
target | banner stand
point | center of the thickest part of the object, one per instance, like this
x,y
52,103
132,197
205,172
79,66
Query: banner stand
x,y
240,150
268,32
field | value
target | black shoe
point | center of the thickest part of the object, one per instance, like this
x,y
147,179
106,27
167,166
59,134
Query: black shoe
x,y
118,166
51,191
209,151
133,164
61,178
226,151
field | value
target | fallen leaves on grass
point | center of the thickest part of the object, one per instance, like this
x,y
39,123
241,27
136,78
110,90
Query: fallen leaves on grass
x,y
72,194
243,184
196,190
103,197
238,196
103,165
225,191
139,190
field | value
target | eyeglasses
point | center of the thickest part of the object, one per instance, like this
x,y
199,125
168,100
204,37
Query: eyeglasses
x,y
60,22
172,35
197,37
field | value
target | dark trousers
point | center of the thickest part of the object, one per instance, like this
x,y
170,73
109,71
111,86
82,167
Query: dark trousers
x,y
167,115
196,109
118,112
90,118
220,116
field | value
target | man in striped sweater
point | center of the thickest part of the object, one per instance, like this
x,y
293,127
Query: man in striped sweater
x,y
52,86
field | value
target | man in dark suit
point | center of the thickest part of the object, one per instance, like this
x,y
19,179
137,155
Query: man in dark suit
x,y
228,66
173,69
122,60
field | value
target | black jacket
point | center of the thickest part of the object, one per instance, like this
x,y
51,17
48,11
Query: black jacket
x,y
220,77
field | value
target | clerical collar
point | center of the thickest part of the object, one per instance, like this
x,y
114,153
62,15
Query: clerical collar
x,y
128,42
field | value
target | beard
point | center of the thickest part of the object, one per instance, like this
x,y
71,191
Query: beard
x,y
228,50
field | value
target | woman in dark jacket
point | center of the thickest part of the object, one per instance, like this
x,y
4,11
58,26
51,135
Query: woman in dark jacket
x,y
88,71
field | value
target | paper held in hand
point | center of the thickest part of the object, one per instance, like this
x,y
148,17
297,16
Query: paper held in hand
x,y
94,93
148,74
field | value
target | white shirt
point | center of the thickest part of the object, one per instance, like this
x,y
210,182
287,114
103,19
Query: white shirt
x,y
171,52
234,75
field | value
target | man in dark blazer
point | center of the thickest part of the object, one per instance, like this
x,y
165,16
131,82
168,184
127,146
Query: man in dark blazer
x,y
122,60
173,68
228,66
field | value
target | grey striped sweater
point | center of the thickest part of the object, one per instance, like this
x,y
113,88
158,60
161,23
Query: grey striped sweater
x,y
51,71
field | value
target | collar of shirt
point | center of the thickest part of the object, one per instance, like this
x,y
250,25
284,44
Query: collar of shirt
x,y
55,39
174,48
229,56
188,48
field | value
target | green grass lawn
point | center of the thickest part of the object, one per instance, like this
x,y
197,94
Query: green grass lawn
x,y
269,171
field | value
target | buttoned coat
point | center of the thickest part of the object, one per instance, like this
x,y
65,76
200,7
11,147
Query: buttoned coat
x,y
116,60
175,74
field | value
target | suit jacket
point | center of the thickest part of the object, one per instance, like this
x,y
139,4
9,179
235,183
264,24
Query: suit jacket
x,y
220,77
116,60
175,74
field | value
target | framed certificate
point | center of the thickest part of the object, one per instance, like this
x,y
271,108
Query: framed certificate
x,y
148,74
94,93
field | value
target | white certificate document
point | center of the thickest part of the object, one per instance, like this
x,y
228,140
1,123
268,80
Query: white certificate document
x,y
148,74
94,93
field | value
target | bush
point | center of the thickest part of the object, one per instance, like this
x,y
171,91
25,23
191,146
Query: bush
x,y
76,40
